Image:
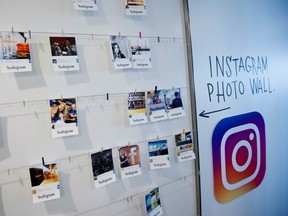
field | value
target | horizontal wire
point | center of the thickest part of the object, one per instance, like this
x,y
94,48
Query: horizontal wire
x,y
70,157
26,102
135,195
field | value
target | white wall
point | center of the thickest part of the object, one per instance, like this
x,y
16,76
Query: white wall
x,y
240,29
25,134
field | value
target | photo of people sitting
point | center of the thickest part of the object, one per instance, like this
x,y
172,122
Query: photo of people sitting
x,y
63,46
63,111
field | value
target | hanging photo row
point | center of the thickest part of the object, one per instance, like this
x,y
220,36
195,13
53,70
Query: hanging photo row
x,y
161,105
132,7
126,52
45,182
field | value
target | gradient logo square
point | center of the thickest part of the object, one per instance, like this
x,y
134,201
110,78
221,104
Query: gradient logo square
x,y
239,155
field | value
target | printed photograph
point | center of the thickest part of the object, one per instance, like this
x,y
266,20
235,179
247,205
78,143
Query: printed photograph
x,y
63,46
63,111
140,53
156,100
85,5
14,45
129,156
45,182
46,174
134,3
152,200
158,148
119,47
173,98
136,102
102,162
184,142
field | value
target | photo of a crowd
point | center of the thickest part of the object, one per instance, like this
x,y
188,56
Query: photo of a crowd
x,y
102,162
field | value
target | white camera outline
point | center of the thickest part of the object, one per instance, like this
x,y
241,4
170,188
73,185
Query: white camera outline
x,y
250,178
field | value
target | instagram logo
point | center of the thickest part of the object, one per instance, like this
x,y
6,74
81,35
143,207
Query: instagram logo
x,y
239,155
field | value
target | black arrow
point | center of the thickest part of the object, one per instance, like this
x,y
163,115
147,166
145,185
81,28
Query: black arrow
x,y
203,114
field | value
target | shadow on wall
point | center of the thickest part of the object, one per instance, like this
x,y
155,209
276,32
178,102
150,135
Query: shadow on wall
x,y
2,213
34,79
65,205
81,76
82,140
4,150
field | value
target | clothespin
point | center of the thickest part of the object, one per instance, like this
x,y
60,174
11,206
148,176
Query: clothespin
x,y
129,143
107,96
8,171
69,159
24,103
158,38
12,30
62,31
102,149
92,36
140,35
174,39
155,90
157,137
119,34
29,33
43,162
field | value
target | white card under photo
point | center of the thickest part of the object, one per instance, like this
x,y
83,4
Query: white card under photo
x,y
158,154
174,103
135,7
103,168
156,105
120,53
129,160
63,116
44,182
14,52
184,146
85,5
140,53
64,54
153,203
137,108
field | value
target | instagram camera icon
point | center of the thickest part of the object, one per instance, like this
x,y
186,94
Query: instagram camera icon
x,y
239,155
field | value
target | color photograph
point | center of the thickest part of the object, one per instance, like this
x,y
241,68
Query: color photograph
x,y
184,146
44,182
158,154
15,52
63,116
174,103
129,156
64,54
129,160
135,7
156,105
153,203
137,108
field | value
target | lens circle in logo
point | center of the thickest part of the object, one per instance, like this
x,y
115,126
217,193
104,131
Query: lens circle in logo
x,y
241,144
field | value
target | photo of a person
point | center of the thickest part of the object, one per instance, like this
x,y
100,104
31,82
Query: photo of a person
x,y
63,111
173,98
116,51
129,156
